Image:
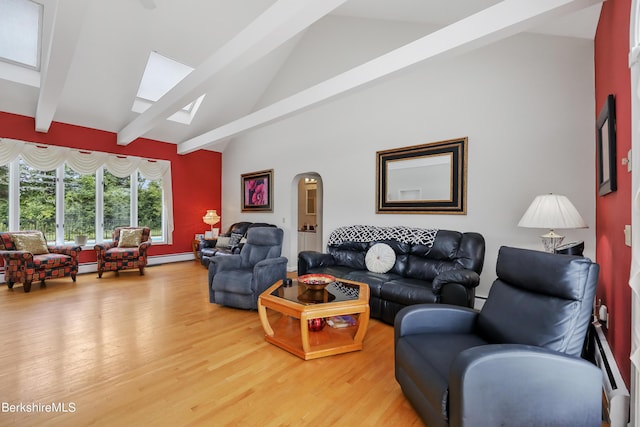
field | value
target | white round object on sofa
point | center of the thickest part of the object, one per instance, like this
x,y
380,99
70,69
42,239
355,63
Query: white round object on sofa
x,y
380,258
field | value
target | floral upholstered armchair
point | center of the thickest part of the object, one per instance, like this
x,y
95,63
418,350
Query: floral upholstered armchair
x,y
27,257
127,250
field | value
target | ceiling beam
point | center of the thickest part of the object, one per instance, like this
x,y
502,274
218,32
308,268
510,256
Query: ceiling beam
x,y
63,21
494,23
271,29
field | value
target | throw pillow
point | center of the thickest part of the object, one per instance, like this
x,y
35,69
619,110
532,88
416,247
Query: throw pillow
x,y
222,242
30,242
130,237
234,240
380,258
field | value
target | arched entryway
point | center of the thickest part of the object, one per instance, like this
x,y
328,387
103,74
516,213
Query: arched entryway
x,y
307,206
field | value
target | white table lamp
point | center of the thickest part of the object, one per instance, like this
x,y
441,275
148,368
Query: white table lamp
x,y
552,211
211,218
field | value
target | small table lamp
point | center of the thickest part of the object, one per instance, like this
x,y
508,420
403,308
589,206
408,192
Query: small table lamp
x,y
552,211
211,218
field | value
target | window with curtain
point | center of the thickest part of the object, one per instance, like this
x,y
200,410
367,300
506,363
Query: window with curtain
x,y
38,200
95,192
117,202
79,205
4,198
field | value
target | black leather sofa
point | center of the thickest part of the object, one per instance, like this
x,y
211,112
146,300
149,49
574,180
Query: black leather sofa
x,y
514,363
231,242
431,266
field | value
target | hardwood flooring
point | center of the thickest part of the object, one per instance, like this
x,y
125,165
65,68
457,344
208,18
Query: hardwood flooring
x,y
151,350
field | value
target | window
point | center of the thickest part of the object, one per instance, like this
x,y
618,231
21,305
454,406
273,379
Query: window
x,y
38,200
20,32
117,202
86,193
150,205
4,198
160,76
79,205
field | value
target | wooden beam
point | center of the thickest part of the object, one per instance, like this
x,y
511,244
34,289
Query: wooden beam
x,y
492,24
276,25
65,23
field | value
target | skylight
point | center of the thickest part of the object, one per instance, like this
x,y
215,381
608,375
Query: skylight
x,y
20,32
160,75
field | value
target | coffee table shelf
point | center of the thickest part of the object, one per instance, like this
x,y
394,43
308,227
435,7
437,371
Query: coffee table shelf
x,y
285,321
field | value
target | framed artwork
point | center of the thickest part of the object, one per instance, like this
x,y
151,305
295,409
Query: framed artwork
x,y
257,191
428,178
606,147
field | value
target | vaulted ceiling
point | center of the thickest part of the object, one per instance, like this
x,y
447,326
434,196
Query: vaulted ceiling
x,y
94,54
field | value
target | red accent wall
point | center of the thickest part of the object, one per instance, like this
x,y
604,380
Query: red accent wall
x,y
196,177
613,211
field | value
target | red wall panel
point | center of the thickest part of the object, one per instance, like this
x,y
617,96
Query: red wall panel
x,y
196,177
613,210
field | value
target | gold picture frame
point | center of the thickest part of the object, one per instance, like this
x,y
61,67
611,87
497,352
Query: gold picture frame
x,y
423,179
257,191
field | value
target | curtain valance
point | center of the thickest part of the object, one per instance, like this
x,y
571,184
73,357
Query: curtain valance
x,y
49,157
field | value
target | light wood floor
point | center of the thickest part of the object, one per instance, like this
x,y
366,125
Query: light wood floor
x,y
151,350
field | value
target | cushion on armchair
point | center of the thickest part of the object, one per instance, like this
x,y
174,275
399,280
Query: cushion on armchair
x,y
130,238
30,242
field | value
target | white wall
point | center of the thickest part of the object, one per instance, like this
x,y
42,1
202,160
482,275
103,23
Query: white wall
x,y
526,104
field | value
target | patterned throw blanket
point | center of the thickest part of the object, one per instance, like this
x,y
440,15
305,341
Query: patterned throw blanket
x,y
370,233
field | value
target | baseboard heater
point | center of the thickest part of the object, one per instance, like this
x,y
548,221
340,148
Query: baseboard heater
x,y
615,392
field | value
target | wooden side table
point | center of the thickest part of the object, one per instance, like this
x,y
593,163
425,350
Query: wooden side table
x,y
195,247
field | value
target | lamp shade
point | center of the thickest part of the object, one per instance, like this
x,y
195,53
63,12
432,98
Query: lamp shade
x,y
211,217
552,211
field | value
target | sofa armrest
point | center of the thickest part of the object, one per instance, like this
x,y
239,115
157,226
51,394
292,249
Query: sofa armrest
x,y
511,384
144,246
22,256
71,250
430,318
312,259
468,278
269,271
104,246
221,263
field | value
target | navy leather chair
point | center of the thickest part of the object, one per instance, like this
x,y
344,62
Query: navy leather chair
x,y
514,363
238,280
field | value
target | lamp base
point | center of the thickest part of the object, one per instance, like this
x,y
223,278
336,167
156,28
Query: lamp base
x,y
551,241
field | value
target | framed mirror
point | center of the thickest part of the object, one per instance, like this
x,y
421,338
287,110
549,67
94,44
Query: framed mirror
x,y
424,179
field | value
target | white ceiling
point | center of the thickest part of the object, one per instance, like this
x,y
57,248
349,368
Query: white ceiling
x,y
99,50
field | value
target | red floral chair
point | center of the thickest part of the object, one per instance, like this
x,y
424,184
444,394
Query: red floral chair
x,y
27,257
127,250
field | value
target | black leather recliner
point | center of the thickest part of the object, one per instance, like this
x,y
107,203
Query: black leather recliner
x,y
517,361
238,280
238,231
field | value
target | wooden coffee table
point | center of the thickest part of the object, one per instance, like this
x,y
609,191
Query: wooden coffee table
x,y
292,306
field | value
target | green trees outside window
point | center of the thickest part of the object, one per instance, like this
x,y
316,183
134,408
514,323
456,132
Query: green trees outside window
x,y
38,199
79,205
4,198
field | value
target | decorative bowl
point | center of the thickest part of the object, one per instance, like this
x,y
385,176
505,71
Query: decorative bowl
x,y
316,324
316,281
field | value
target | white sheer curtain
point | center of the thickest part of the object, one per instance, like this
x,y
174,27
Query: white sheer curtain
x,y
48,157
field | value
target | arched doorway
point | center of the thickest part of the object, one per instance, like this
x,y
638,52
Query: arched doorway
x,y
309,211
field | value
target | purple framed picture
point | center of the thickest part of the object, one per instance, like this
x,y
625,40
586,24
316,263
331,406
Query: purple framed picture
x,y
257,191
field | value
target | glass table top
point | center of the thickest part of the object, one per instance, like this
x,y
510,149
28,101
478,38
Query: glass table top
x,y
333,292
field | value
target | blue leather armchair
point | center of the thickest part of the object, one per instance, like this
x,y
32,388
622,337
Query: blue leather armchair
x,y
514,363
238,280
